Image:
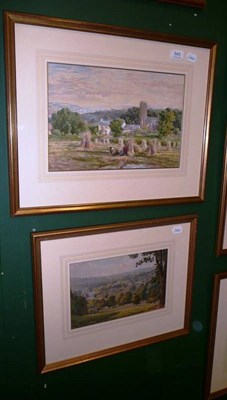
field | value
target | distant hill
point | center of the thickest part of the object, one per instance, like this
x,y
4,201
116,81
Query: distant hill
x,y
79,284
54,107
108,115
89,114
94,116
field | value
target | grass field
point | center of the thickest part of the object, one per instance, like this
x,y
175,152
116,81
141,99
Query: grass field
x,y
67,155
112,313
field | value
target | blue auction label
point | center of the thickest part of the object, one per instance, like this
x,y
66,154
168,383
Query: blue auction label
x,y
177,54
191,57
177,229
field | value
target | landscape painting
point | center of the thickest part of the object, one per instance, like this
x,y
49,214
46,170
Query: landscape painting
x,y
108,289
102,118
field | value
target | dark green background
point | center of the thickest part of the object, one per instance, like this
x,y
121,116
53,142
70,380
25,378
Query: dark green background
x,y
174,369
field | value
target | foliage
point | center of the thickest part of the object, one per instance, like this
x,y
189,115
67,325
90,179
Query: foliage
x,y
56,132
94,129
78,304
116,127
111,301
178,121
160,257
67,121
166,121
125,298
152,113
131,116
136,298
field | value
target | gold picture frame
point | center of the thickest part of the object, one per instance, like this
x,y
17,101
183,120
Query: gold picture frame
x,y
149,164
111,288
216,382
222,221
192,3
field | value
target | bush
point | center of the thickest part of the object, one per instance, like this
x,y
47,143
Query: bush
x,y
56,132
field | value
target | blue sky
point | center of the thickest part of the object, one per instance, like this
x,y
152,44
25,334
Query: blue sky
x,y
106,266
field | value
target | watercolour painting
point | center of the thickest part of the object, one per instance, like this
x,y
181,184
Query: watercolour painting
x,y
111,118
118,287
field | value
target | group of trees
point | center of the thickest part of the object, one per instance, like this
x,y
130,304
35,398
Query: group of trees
x,y
131,116
80,305
68,122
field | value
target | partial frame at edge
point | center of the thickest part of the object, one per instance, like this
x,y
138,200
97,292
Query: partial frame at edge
x,y
221,248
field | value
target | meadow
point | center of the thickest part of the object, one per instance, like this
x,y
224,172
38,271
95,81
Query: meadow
x,y
67,154
112,313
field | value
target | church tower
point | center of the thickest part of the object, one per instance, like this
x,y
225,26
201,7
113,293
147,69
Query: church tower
x,y
143,114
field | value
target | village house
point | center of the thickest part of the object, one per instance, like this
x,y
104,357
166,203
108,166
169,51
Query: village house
x,y
104,127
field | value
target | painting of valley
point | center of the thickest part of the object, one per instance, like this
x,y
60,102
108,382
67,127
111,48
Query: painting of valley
x,y
108,289
102,118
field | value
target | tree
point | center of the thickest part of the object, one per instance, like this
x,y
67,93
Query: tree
x,y
94,129
67,121
151,113
116,127
131,116
79,305
67,128
111,301
178,121
160,259
136,298
126,298
166,122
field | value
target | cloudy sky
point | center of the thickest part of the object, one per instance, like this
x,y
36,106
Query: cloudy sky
x,y
113,88
105,267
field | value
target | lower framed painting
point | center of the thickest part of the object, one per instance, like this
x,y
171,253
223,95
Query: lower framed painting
x,y
216,384
111,288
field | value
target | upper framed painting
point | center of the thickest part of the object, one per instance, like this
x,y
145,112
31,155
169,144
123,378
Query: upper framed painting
x,y
192,3
103,116
222,226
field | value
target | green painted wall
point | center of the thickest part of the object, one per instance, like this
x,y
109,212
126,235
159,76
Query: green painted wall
x,y
174,369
